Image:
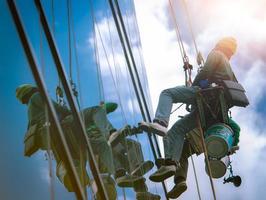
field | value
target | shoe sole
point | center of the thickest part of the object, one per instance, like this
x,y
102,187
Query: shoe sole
x,y
162,177
177,192
147,166
148,128
131,183
147,196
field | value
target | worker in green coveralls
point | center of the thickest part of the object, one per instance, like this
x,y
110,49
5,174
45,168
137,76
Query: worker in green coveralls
x,y
98,129
215,69
38,128
129,163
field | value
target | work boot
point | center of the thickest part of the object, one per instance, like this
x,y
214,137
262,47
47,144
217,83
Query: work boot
x,y
155,128
177,190
164,172
119,135
147,196
129,180
143,168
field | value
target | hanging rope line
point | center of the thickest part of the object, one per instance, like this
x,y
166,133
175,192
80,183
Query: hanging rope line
x,y
195,172
69,42
70,97
188,69
71,32
96,55
178,34
47,125
43,90
59,91
115,80
200,60
133,71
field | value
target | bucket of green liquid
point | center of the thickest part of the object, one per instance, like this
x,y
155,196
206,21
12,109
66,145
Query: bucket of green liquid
x,y
219,139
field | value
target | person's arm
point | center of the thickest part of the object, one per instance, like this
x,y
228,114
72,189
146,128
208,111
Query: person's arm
x,y
63,111
208,69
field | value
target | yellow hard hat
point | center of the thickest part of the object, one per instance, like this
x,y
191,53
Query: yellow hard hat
x,y
23,90
228,43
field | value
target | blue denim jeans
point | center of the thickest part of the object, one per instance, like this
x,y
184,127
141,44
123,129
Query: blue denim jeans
x,y
174,140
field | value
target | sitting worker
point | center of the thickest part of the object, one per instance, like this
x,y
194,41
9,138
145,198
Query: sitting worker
x,y
129,163
216,69
38,128
97,128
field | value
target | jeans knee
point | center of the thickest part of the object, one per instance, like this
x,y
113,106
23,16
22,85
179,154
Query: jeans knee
x,y
166,92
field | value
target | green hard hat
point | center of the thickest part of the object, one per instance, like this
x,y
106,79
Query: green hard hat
x,y
110,107
23,90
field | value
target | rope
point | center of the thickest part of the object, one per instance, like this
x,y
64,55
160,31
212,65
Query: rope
x,y
47,125
178,34
73,85
96,55
195,173
59,91
206,158
200,59
69,41
115,81
188,68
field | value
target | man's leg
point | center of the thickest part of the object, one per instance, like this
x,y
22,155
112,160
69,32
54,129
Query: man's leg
x,y
98,136
122,167
179,94
138,167
142,192
181,173
173,146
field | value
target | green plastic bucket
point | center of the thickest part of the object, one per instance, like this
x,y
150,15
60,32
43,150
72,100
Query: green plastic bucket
x,y
219,139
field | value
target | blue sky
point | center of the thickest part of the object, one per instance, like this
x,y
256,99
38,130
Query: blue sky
x,y
27,178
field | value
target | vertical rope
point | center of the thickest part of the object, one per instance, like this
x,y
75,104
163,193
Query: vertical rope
x,y
69,41
71,32
200,59
47,126
96,55
206,157
195,173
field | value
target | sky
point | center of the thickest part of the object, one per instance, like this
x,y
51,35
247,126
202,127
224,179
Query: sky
x,y
28,178
211,19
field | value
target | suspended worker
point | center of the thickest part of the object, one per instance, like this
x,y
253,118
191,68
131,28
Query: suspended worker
x,y
37,136
129,163
216,69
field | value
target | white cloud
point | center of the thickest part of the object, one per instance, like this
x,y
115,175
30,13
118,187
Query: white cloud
x,y
212,20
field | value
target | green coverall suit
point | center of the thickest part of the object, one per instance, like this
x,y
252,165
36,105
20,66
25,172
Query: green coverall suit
x,y
36,137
